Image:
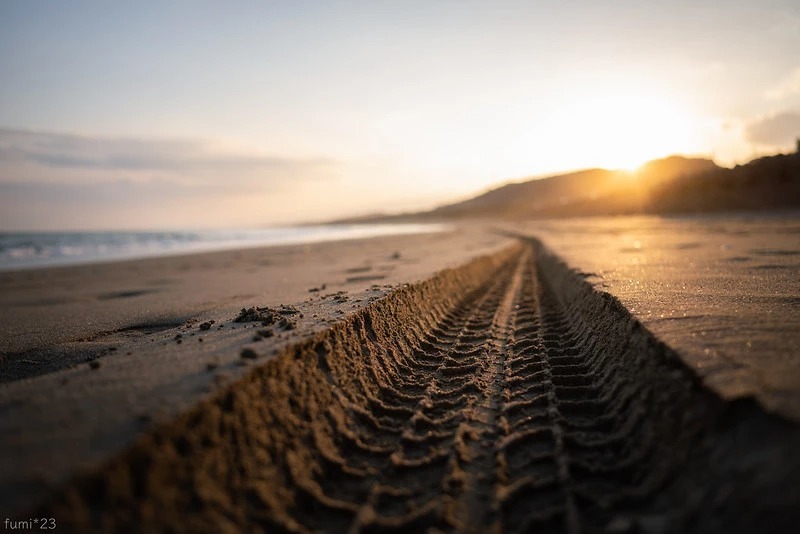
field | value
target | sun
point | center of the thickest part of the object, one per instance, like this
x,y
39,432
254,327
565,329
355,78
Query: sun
x,y
621,128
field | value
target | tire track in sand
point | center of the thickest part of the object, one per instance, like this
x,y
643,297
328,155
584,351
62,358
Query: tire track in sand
x,y
503,396
511,431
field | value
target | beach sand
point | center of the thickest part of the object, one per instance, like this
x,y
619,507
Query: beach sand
x,y
461,381
721,290
93,355
55,317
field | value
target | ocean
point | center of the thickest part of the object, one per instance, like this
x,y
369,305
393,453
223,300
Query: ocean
x,y
43,249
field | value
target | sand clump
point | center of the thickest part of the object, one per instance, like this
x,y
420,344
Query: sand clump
x,y
280,317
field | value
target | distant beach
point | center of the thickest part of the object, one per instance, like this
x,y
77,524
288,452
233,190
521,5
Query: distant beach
x,y
44,249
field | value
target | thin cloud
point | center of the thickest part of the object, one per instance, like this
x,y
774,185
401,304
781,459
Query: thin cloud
x,y
26,155
64,181
787,87
156,204
777,131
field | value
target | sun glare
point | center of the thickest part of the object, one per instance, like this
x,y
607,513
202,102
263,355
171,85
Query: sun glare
x,y
622,129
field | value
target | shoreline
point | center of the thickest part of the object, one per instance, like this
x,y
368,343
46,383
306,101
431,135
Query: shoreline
x,y
189,242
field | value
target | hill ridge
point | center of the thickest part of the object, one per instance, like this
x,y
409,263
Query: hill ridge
x,y
670,185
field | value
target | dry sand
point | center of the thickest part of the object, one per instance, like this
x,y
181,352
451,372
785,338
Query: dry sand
x,y
505,393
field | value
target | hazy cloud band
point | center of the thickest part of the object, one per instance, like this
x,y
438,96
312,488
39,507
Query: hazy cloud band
x,y
22,152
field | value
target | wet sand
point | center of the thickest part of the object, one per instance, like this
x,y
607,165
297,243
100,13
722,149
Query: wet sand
x,y
504,393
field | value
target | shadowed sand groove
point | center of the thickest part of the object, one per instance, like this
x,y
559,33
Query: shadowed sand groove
x,y
503,396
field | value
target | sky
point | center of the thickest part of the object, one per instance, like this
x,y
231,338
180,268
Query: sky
x,y
154,115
